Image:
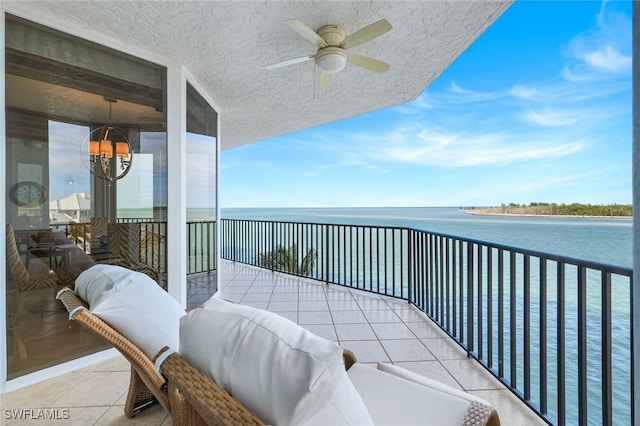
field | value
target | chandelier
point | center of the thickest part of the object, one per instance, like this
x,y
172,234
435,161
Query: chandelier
x,y
108,146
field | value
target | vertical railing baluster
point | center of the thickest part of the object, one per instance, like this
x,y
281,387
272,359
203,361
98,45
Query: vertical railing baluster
x,y
393,256
607,377
479,314
200,255
410,262
461,289
378,260
386,258
441,279
351,256
209,239
527,326
513,361
490,307
432,272
189,249
560,320
335,235
543,337
454,286
501,312
402,255
325,273
423,276
470,327
358,256
447,306
344,253
582,345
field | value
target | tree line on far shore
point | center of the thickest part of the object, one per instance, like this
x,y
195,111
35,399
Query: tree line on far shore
x,y
553,209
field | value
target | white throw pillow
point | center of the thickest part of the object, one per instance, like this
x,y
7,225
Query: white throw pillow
x,y
280,371
135,305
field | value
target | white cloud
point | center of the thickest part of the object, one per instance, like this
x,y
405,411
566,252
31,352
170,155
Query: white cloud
x,y
608,59
523,92
470,95
602,53
418,104
454,150
558,117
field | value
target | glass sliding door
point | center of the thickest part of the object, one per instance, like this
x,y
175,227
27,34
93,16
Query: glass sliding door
x,y
201,196
86,154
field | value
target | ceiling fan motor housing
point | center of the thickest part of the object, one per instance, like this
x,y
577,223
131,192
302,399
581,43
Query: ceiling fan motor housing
x,y
333,35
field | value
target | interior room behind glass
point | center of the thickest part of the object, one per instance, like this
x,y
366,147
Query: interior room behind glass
x,y
69,207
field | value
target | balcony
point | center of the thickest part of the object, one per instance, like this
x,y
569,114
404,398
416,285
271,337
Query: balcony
x,y
507,324
377,328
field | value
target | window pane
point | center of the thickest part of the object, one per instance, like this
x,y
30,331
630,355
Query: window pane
x,y
86,175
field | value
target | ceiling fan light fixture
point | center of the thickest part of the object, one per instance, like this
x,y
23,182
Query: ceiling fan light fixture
x,y
331,59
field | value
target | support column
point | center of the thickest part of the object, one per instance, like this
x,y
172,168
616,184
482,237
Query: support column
x,y
176,183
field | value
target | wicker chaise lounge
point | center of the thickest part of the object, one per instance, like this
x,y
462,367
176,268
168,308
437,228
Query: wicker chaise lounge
x,y
241,365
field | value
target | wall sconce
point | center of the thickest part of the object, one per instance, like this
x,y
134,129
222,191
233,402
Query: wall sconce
x,y
107,143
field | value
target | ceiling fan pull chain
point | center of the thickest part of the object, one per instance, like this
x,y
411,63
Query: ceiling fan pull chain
x,y
315,72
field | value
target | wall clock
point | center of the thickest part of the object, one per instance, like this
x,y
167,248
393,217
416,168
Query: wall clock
x,y
28,194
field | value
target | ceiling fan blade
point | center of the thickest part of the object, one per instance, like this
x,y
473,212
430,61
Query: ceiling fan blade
x,y
325,79
306,32
367,62
367,33
289,62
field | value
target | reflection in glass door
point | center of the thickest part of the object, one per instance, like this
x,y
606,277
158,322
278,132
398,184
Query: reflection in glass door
x,y
64,214
201,198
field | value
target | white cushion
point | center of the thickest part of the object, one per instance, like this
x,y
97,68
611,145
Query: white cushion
x,y
91,283
394,401
135,305
280,371
425,381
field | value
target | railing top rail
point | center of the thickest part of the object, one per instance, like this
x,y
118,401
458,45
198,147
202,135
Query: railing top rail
x,y
590,264
620,270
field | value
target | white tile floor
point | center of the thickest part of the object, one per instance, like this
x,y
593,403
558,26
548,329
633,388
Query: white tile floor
x,y
375,328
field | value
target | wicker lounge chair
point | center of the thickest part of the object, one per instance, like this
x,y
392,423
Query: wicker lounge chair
x,y
25,281
147,387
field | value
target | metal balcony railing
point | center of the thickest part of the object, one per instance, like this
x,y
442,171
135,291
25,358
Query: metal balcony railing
x,y
554,330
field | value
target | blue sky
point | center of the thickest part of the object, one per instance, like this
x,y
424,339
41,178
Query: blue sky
x,y
538,108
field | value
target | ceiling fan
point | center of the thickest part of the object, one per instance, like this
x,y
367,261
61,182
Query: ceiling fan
x,y
332,56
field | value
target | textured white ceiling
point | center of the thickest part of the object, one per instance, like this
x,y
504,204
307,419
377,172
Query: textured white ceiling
x,y
226,46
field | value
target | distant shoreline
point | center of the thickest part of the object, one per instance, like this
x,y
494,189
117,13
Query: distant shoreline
x,y
481,212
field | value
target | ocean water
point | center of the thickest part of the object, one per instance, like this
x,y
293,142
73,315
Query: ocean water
x,y
607,241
